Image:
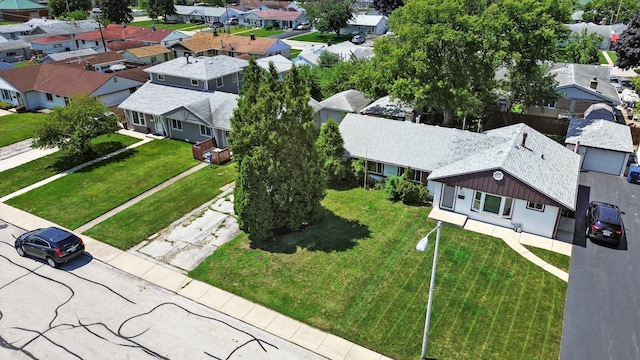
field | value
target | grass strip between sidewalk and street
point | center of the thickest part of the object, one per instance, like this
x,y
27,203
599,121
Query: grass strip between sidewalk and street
x,y
18,127
355,273
88,193
158,211
17,178
560,261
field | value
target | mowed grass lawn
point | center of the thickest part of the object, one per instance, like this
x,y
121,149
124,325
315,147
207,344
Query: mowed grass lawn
x,y
30,173
356,273
18,127
84,195
320,37
158,211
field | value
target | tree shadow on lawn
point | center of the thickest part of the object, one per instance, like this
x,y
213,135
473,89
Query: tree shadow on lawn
x,y
327,233
67,162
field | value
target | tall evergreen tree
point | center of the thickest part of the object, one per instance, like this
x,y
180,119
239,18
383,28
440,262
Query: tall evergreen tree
x,y
280,179
117,11
331,150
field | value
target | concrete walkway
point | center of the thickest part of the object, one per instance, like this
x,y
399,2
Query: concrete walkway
x,y
616,71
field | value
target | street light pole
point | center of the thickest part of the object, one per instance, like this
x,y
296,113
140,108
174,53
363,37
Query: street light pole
x,y
422,246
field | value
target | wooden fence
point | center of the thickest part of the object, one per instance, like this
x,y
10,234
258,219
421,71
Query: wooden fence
x,y
545,125
204,148
635,135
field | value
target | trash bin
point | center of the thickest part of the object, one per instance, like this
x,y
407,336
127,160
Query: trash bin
x,y
634,174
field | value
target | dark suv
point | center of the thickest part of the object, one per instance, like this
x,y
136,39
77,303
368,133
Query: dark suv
x,y
51,244
604,222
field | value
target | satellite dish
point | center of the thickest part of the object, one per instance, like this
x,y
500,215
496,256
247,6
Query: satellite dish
x,y
498,175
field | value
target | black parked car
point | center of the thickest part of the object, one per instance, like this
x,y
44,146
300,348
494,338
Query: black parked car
x,y
54,245
216,25
604,222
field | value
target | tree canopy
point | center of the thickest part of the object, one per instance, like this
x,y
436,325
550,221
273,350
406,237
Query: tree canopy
x,y
117,11
445,53
157,8
280,179
329,15
581,48
72,127
613,11
59,7
628,45
386,7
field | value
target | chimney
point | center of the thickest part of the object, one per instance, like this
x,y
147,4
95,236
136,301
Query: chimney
x,y
577,147
87,65
594,83
524,140
253,37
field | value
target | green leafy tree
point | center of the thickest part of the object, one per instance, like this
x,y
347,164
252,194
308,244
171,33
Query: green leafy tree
x,y
59,7
331,150
280,178
581,48
386,7
160,8
329,15
117,11
613,11
628,44
72,127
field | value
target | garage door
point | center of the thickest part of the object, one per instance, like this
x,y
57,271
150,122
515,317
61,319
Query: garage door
x,y
604,161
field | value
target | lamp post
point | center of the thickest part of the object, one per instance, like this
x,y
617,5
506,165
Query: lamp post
x,y
422,246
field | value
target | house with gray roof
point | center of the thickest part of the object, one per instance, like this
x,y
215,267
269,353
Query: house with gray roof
x,y
514,177
367,24
15,50
345,51
208,14
579,86
179,113
336,106
389,108
603,145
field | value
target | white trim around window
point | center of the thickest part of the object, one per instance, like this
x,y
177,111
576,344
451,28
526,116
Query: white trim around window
x,y
374,167
176,124
160,77
205,130
138,118
535,206
491,204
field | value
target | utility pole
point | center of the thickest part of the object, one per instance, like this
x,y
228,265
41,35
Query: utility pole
x,y
618,13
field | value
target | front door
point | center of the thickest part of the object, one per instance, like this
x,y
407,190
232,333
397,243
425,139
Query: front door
x,y
160,126
448,197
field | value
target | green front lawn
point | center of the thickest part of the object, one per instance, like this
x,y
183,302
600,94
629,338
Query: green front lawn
x,y
601,59
613,56
356,273
30,173
558,260
84,195
18,127
320,37
159,210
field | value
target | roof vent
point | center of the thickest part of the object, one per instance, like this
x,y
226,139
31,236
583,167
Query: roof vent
x,y
524,140
593,84
498,175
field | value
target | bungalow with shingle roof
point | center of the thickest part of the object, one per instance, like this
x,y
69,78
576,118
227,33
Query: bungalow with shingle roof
x,y
367,24
336,106
147,54
48,85
212,44
282,19
53,44
514,177
15,50
605,146
208,14
67,55
116,33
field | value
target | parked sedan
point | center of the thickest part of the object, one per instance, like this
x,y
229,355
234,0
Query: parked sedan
x,y
304,26
358,39
604,222
53,245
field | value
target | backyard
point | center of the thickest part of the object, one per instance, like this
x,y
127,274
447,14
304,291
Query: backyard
x,y
355,273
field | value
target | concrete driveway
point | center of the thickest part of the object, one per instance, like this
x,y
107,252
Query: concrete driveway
x,y
90,310
602,308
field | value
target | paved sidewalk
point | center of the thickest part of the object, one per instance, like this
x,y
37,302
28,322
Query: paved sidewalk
x,y
20,153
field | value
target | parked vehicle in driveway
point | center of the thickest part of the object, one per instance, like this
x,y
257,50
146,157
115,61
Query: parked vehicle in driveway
x,y
358,39
304,26
604,222
232,21
216,24
52,244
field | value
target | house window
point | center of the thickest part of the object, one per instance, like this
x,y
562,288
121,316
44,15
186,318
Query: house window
x,y
66,100
160,77
153,59
219,82
176,124
83,42
205,130
6,94
551,104
11,53
49,97
535,206
374,167
492,204
138,118
194,82
416,175
57,46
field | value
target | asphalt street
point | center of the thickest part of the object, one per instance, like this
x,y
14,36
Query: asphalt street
x,y
90,310
602,308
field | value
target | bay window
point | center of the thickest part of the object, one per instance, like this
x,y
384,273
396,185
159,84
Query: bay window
x,y
492,204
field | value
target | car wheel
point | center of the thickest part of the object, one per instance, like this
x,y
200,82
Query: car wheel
x,y
51,263
20,251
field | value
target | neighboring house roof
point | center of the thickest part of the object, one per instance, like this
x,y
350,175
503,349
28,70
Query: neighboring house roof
x,y
53,39
136,74
543,165
14,45
5,65
600,133
95,59
366,20
124,45
281,63
68,54
149,51
603,30
203,41
203,10
55,78
580,76
114,32
253,4
279,15
385,107
311,53
600,111
19,5
214,108
348,100
315,104
15,28
200,68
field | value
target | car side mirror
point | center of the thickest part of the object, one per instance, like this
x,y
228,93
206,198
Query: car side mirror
x,y
623,213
